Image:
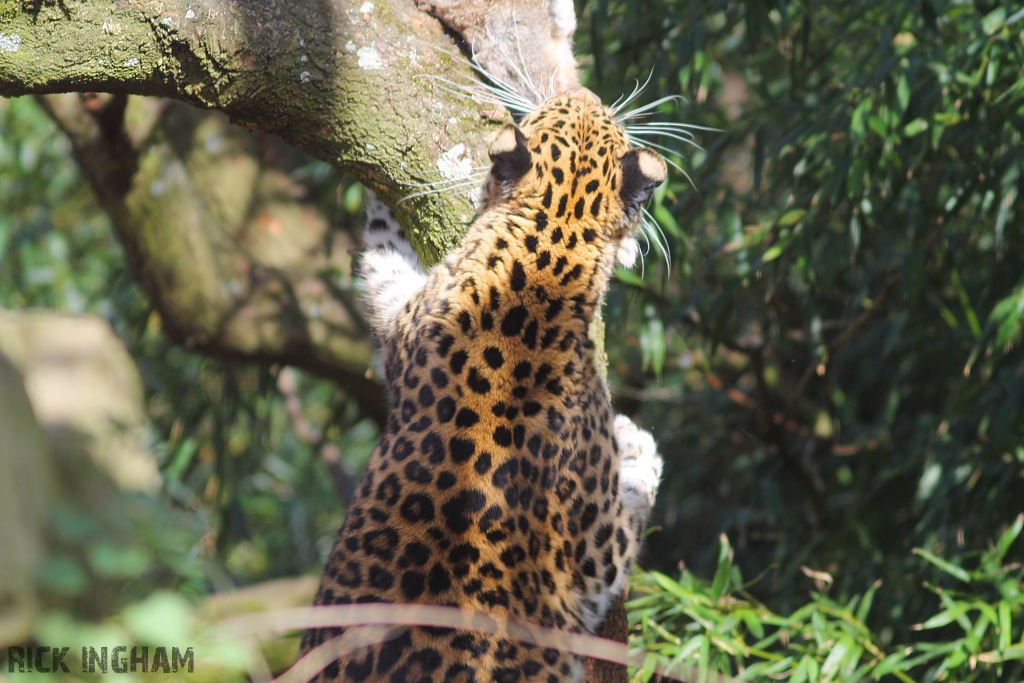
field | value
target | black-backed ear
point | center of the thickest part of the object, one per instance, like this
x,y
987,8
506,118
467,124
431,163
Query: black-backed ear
x,y
642,171
509,155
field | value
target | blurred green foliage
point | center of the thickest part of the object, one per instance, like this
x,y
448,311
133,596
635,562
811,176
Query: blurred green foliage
x,y
842,376
261,497
832,365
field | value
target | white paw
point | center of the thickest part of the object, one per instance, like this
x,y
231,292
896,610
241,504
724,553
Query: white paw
x,y
390,269
639,466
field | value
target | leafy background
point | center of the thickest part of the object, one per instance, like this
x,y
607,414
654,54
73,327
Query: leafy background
x,y
832,365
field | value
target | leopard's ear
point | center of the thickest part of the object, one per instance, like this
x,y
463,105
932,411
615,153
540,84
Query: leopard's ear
x,y
642,171
509,155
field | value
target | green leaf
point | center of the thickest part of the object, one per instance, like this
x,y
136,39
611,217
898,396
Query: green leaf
x,y
1005,629
857,117
182,458
948,567
965,303
835,658
915,127
63,575
903,92
994,20
771,253
878,127
112,561
629,277
865,604
650,665
671,586
1008,314
890,663
802,672
753,623
667,221
720,584
791,217
652,341
956,658
1008,537
353,199
943,618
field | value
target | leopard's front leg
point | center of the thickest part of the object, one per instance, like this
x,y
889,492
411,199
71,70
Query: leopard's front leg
x,y
390,268
640,469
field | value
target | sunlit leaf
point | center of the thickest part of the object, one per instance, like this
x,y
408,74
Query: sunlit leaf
x,y
915,127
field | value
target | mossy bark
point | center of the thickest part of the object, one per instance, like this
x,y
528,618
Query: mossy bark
x,y
347,82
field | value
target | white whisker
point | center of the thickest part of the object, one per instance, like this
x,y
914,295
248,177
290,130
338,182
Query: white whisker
x,y
483,93
674,124
646,109
476,171
509,91
657,128
473,182
643,137
522,76
478,175
660,240
642,230
637,89
503,92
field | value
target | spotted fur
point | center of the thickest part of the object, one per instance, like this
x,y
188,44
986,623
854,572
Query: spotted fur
x,y
503,481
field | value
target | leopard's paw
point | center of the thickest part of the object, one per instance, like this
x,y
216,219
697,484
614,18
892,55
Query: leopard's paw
x,y
640,465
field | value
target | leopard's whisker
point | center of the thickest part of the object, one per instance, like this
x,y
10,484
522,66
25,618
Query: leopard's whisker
x,y
641,135
646,109
477,173
497,88
657,236
483,93
441,190
673,124
617,106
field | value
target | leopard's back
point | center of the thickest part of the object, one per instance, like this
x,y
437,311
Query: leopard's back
x,y
503,482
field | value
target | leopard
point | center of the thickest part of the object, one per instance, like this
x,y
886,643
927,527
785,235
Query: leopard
x,y
503,482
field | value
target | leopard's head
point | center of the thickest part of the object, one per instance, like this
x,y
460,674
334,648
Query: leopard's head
x,y
572,161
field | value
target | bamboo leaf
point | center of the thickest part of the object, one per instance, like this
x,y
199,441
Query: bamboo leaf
x,y
947,567
719,585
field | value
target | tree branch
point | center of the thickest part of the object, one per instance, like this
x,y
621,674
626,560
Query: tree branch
x,y
346,81
227,246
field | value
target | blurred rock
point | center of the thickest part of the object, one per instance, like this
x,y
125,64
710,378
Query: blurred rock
x,y
85,391
24,501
